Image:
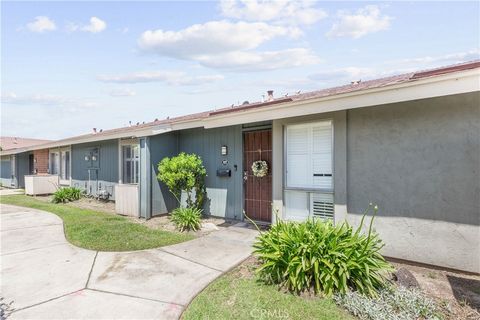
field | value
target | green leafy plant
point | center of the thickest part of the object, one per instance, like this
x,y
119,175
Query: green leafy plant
x,y
184,172
73,193
64,195
317,255
187,218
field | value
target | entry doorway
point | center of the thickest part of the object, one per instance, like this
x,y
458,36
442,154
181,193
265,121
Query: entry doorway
x,y
257,145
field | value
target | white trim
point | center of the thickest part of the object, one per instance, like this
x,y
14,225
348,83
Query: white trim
x,y
133,133
450,84
121,144
435,86
68,149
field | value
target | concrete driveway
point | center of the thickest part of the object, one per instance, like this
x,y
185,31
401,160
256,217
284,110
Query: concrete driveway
x,y
48,278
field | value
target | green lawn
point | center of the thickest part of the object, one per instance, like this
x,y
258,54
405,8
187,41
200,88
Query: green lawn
x,y
237,295
101,231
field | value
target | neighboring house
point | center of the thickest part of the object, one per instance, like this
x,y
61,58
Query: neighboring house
x,y
17,163
408,143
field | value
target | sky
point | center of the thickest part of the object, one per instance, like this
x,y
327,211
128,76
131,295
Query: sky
x,y
67,67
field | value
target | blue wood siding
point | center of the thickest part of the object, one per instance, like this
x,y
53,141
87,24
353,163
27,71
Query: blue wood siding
x,y
22,168
224,194
103,174
5,171
161,146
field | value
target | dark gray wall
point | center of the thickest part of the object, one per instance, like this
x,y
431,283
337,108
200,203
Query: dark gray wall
x,y
5,167
161,146
5,171
22,168
224,196
419,159
107,173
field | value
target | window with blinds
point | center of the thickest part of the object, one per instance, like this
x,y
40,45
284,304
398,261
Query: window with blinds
x,y
309,172
309,156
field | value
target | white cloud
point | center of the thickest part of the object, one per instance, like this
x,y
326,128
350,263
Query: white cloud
x,y
124,92
344,74
285,11
96,25
71,104
366,20
450,58
259,61
41,24
227,45
213,37
174,78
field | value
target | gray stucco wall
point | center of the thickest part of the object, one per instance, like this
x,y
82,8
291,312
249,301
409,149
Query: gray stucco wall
x,y
224,194
419,159
420,162
161,146
105,176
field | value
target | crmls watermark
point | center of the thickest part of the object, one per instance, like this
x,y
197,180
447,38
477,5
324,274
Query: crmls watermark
x,y
269,313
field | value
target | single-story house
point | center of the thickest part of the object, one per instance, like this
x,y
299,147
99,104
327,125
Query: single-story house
x,y
14,166
409,143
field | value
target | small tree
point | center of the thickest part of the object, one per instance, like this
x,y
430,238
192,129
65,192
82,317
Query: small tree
x,y
184,172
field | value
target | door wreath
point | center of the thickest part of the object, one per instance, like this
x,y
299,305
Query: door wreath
x,y
260,168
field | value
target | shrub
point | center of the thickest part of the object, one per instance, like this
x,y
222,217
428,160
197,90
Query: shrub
x,y
64,195
187,218
392,303
316,254
73,193
184,172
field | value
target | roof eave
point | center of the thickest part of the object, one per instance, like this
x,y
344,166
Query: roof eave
x,y
429,87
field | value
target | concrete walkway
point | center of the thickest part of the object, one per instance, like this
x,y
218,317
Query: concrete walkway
x,y
48,278
8,192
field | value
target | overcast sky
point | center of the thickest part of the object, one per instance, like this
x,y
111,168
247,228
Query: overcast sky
x,y
69,67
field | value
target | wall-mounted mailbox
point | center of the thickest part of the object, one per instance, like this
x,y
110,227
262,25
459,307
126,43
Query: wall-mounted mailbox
x,y
224,173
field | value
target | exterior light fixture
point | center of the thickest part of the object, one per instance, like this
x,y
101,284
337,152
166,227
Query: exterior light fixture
x,y
94,158
87,158
224,150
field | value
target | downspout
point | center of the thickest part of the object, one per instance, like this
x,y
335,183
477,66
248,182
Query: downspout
x,y
145,190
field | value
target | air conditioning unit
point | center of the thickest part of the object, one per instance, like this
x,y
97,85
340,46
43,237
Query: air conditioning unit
x,y
322,206
301,205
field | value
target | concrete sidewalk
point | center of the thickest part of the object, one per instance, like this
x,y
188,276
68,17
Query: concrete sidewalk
x,y
8,191
48,278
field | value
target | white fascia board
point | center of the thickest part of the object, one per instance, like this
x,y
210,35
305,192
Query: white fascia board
x,y
199,123
464,82
144,132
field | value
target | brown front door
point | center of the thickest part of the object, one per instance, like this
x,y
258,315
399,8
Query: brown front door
x,y
257,145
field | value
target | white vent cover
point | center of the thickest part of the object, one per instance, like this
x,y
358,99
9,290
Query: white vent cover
x,y
321,205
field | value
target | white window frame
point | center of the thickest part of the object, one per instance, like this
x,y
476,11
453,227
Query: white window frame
x,y
285,157
13,166
121,161
308,192
64,180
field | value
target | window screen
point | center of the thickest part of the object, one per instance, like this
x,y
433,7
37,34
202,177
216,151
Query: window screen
x,y
54,163
131,161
